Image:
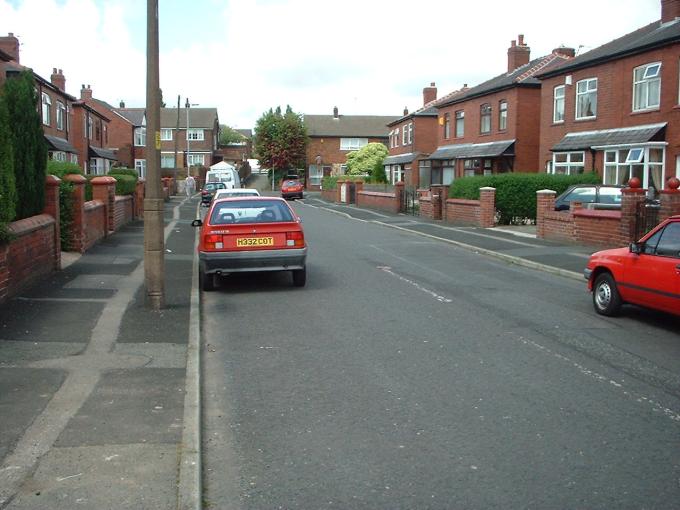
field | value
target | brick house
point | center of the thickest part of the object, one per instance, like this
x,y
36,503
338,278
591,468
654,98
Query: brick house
x,y
413,137
616,109
90,138
136,117
236,152
493,127
332,137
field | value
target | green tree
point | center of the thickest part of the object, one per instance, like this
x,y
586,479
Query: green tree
x,y
8,195
368,160
281,139
229,135
30,149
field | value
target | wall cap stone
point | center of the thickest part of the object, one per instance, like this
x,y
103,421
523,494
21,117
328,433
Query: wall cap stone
x,y
103,180
546,192
52,180
487,188
75,178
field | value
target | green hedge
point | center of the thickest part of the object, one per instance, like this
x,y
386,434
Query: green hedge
x,y
329,182
125,184
124,171
516,192
60,169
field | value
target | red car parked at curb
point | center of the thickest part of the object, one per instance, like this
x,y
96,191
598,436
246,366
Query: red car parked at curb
x,y
292,188
249,234
647,273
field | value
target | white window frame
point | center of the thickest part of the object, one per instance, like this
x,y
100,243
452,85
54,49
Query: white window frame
x,y
447,125
589,84
195,135
410,133
485,118
558,104
90,126
46,108
140,166
196,159
460,118
502,115
166,156
140,137
61,116
570,164
619,163
166,135
647,82
74,158
404,135
315,175
353,144
58,156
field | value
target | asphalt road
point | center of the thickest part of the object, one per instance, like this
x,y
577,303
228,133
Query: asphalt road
x,y
410,373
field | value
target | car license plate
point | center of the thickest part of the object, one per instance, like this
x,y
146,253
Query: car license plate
x,y
254,241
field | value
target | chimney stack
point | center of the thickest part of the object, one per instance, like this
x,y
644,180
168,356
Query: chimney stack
x,y
10,45
122,104
670,10
565,52
518,53
85,93
429,93
58,79
405,111
335,112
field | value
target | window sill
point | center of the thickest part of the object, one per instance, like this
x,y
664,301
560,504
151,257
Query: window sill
x,y
557,123
586,119
648,110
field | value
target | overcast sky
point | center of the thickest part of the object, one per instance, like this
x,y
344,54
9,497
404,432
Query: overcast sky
x,y
367,57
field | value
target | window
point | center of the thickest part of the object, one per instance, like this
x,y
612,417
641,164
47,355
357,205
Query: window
x,y
196,159
140,137
195,134
98,166
645,163
404,136
460,124
140,166
89,127
46,105
166,134
485,118
74,159
57,156
558,104
502,115
447,125
568,163
352,144
586,99
477,167
408,134
61,115
646,86
106,134
167,161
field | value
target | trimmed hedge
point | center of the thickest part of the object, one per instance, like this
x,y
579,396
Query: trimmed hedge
x,y
124,171
329,182
125,184
60,169
516,192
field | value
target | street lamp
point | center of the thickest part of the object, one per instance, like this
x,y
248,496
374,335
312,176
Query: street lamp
x,y
188,106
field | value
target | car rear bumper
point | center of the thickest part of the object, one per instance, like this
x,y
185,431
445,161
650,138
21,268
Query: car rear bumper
x,y
292,194
256,260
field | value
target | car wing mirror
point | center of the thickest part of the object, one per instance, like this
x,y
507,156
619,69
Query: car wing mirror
x,y
635,248
197,223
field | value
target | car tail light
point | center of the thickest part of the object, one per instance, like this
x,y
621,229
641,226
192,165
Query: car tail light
x,y
296,238
204,192
213,241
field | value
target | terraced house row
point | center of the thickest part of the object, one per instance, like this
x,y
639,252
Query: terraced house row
x,y
96,135
614,110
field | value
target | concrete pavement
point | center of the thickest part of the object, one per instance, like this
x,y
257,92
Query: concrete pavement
x,y
98,394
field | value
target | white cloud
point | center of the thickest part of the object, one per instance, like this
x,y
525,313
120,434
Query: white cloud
x,y
366,57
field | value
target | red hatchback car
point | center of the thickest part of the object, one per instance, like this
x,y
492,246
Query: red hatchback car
x,y
291,188
647,273
250,234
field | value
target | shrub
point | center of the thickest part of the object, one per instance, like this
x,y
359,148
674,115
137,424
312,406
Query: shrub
x,y
516,192
125,184
124,171
329,182
60,169
8,194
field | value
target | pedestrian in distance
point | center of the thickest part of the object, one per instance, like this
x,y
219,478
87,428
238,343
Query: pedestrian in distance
x,y
190,186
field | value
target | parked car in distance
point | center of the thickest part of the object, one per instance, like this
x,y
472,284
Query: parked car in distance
x,y
250,234
292,188
607,196
647,273
236,192
209,190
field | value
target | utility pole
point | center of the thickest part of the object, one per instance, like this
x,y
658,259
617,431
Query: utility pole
x,y
176,138
154,243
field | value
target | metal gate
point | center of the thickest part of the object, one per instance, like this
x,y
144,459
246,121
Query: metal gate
x,y
352,193
646,217
409,201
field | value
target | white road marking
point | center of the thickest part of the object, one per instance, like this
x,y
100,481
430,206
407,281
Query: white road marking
x,y
67,477
439,298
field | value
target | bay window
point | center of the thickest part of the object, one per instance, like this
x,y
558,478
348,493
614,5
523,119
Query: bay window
x,y
645,163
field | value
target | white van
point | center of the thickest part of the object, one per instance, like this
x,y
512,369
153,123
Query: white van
x,y
229,176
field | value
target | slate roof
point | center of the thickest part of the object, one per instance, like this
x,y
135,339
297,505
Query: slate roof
x,y
400,158
430,109
60,144
369,126
98,152
198,118
248,133
611,137
134,115
654,35
523,76
473,150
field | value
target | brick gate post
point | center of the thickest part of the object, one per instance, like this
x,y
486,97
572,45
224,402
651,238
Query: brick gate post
x,y
487,207
76,235
545,202
52,208
670,200
104,189
630,198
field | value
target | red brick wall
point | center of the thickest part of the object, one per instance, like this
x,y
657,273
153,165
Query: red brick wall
x,y
94,227
558,225
426,208
614,104
123,211
462,212
329,194
29,257
598,228
376,200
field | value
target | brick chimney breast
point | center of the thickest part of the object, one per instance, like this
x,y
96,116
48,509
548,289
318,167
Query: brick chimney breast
x,y
58,79
10,45
518,53
670,10
85,93
429,93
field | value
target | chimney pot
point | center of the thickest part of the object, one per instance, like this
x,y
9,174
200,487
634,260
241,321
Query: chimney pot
x,y
518,55
58,79
54,70
10,34
122,104
429,93
335,112
520,39
405,111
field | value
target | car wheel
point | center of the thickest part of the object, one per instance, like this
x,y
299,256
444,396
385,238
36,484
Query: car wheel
x,y
206,281
606,297
300,277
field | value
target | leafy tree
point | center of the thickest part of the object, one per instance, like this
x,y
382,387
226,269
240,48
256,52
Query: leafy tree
x,y
281,139
8,194
30,149
229,135
368,160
